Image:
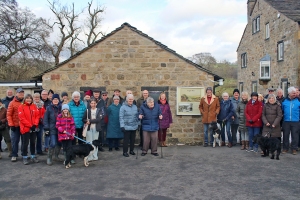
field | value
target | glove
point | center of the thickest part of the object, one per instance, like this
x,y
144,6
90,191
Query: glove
x,y
0,122
251,121
33,128
123,129
47,133
13,128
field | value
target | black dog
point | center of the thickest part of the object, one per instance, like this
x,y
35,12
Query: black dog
x,y
268,145
80,150
216,133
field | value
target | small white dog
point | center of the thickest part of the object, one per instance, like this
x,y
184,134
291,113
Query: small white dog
x,y
216,128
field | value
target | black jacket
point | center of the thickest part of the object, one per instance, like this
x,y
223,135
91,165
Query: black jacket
x,y
96,121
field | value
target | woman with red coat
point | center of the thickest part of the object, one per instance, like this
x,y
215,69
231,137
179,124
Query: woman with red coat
x,y
253,114
165,122
29,117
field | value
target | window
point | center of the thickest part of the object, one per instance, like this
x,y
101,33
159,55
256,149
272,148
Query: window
x,y
267,31
154,92
280,50
284,86
241,86
265,69
244,60
254,86
256,25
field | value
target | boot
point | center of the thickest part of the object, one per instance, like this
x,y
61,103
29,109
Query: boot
x,y
56,153
25,161
0,155
9,149
229,144
223,144
247,145
243,145
49,159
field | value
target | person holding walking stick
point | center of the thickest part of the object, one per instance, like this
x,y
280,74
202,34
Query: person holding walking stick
x,y
165,122
150,113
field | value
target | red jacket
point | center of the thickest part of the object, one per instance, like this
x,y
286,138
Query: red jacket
x,y
12,113
42,111
29,115
253,112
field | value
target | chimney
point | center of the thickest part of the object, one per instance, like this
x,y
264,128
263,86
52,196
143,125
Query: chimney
x,y
250,7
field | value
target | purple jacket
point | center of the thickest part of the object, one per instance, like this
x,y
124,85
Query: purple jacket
x,y
167,115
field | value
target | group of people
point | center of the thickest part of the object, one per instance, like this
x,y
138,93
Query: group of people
x,y
64,122
272,116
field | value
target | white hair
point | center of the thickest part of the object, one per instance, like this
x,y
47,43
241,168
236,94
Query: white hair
x,y
291,89
129,96
149,99
272,96
116,97
75,94
225,94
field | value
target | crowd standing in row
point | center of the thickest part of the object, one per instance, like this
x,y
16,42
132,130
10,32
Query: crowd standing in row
x,y
29,118
269,115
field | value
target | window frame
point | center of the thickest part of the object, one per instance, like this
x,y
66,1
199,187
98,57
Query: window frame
x,y
264,64
244,60
256,25
254,86
284,86
241,86
267,29
280,51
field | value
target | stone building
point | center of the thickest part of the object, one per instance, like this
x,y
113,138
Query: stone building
x,y
128,59
269,50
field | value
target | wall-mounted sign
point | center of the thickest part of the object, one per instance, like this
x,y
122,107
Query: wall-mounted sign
x,y
188,100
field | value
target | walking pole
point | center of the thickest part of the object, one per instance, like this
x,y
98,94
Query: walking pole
x,y
160,131
137,150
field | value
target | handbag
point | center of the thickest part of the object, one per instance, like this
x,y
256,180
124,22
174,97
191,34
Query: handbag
x,y
85,127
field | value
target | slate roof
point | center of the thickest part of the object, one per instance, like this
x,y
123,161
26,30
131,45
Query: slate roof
x,y
216,77
290,8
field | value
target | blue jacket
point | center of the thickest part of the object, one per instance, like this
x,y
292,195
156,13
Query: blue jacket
x,y
226,110
7,100
150,117
235,104
50,116
113,126
77,112
291,110
129,116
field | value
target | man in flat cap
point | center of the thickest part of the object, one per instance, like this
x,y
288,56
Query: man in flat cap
x,y
116,93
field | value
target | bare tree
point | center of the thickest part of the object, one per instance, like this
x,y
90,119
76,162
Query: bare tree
x,y
65,21
93,23
20,31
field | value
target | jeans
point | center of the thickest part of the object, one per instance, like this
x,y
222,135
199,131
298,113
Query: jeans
x,y
15,139
252,131
54,141
25,141
113,142
39,136
206,126
226,125
244,134
47,142
92,135
234,129
293,129
129,135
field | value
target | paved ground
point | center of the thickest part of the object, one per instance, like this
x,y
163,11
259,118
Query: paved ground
x,y
185,172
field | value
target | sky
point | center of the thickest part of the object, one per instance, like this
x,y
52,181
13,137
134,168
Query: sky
x,y
188,27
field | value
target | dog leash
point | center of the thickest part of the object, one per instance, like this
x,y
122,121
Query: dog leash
x,y
79,138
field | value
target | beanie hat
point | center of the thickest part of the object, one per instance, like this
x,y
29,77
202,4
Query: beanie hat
x,y
254,94
65,106
64,94
208,88
236,90
89,92
55,96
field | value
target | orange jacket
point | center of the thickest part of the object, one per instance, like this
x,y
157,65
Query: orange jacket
x,y
210,111
12,113
29,115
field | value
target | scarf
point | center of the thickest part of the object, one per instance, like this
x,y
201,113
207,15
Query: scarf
x,y
163,102
19,99
39,105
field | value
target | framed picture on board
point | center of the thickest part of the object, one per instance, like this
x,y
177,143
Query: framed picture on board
x,y
188,100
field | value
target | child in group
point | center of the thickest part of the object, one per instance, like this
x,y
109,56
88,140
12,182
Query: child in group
x,y
66,129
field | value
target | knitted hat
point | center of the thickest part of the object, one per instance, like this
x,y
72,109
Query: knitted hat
x,y
64,94
89,92
65,106
254,94
236,90
55,96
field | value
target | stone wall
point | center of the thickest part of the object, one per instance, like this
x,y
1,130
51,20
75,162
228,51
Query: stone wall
x,y
256,47
127,60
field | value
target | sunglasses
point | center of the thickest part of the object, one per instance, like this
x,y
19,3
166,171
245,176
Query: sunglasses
x,y
104,94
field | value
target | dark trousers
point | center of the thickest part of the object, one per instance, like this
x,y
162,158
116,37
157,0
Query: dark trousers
x,y
15,139
234,128
293,129
141,136
150,137
39,136
128,135
79,134
66,144
102,135
25,141
162,134
113,142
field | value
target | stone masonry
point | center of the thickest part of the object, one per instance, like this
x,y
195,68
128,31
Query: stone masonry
x,y
128,60
256,46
